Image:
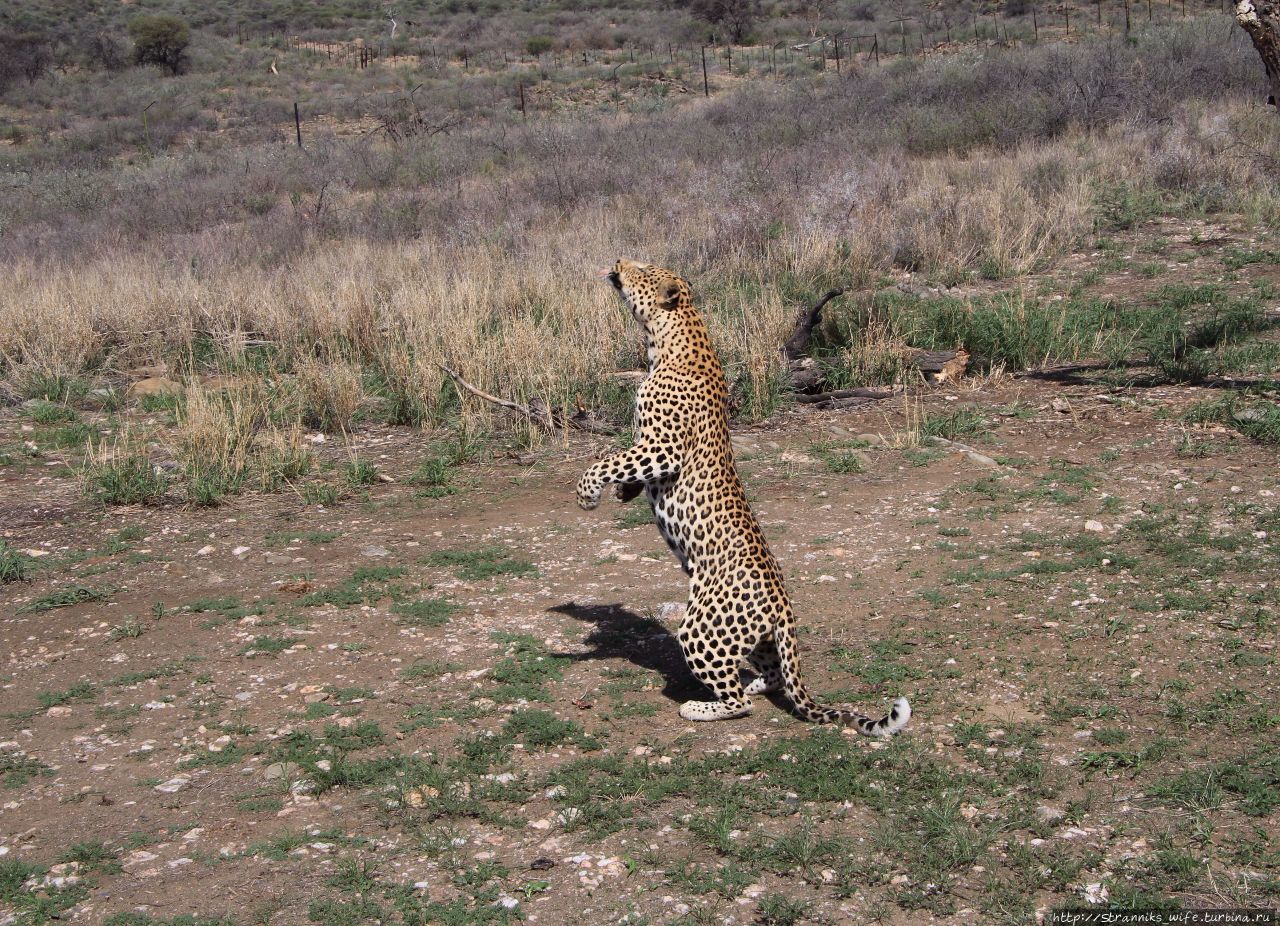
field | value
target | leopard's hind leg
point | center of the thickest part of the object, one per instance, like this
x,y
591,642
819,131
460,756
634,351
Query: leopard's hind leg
x,y
767,665
714,651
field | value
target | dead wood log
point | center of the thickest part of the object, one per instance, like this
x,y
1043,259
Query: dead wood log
x,y
843,398
940,366
1261,19
537,411
860,392
796,345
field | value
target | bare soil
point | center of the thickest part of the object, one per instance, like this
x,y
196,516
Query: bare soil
x,y
170,704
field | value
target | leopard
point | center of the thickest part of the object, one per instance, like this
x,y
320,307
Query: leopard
x,y
681,458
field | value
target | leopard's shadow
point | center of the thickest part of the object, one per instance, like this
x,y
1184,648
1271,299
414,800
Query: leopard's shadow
x,y
618,633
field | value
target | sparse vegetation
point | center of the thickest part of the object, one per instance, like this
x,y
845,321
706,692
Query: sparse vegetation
x,y
430,688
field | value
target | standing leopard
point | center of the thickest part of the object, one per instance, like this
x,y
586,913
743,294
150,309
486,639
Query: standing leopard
x,y
682,459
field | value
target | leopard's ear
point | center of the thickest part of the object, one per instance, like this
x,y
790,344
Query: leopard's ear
x,y
669,295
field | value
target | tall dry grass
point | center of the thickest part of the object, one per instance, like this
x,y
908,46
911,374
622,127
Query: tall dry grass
x,y
762,198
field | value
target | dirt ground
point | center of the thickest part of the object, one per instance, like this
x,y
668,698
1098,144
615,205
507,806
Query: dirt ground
x,y
243,727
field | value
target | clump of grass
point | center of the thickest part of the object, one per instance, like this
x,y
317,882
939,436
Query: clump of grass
x,y
321,493
541,730
226,445
65,598
125,477
329,392
525,671
366,584
960,422
436,473
841,457
427,670
637,513
1256,418
14,565
48,413
267,645
484,563
780,910
360,473
426,612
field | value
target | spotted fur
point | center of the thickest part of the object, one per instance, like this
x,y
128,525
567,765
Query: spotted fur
x,y
738,608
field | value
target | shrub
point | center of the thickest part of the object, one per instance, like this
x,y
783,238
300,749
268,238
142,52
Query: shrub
x,y
24,54
161,40
126,479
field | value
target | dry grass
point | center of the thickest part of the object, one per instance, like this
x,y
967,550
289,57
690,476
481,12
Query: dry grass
x,y
490,267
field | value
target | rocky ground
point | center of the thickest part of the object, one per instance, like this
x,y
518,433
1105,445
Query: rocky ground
x,y
458,704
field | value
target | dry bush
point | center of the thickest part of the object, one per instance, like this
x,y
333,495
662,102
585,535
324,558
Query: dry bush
x,y
329,391
478,248
234,439
216,431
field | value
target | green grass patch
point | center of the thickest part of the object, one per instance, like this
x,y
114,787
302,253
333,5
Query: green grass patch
x,y
14,565
267,645
65,598
525,671
426,612
1254,417
129,479
483,563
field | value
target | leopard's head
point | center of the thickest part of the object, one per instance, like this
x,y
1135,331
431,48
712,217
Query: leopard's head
x,y
652,294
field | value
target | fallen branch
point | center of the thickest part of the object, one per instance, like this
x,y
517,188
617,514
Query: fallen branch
x,y
844,398
537,411
798,343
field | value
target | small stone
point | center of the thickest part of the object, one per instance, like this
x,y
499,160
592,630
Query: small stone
x,y
671,611
205,550
1094,526
1096,893
173,784
1049,814
239,551
280,770
154,385
58,712
375,551
220,744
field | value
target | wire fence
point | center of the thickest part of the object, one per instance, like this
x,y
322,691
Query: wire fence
x,y
526,82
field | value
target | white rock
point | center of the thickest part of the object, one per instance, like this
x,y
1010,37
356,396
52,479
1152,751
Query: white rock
x,y
205,550
173,784
1096,527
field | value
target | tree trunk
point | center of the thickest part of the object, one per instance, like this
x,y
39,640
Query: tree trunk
x,y
1261,19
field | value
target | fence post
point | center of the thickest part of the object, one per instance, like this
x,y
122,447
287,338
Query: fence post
x,y
297,123
523,114
146,129
706,88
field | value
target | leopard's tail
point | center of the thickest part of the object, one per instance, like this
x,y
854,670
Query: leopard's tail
x,y
806,707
